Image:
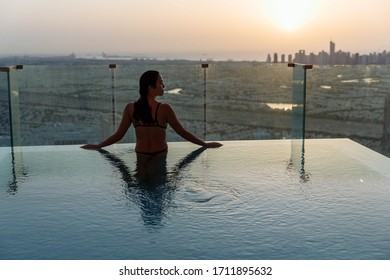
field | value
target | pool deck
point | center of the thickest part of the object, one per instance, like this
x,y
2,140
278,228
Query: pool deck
x,y
360,153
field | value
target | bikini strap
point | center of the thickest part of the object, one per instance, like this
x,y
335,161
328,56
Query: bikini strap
x,y
155,116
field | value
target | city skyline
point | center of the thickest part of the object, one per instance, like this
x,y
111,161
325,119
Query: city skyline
x,y
333,57
196,29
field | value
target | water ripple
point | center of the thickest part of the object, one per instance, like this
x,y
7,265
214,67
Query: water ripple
x,y
213,196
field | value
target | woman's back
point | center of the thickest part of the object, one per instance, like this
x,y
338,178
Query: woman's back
x,y
151,136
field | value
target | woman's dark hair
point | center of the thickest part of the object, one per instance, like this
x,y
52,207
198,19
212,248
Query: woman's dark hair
x,y
142,110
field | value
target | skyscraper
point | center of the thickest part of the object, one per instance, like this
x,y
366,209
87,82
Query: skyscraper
x,y
332,48
332,53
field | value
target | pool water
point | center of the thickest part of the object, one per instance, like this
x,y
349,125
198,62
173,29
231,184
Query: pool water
x,y
245,200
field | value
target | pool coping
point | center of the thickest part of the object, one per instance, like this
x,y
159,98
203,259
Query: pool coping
x,y
362,154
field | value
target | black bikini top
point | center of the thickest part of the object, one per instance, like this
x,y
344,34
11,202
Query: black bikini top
x,y
154,123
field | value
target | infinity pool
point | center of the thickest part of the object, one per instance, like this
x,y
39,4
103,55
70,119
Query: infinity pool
x,y
245,200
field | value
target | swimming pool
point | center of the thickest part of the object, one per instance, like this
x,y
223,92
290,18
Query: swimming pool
x,y
245,200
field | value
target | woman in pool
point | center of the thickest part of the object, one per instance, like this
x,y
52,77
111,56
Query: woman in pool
x,y
150,119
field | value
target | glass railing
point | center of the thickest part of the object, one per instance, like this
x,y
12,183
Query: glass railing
x,y
5,134
386,126
10,130
348,101
64,104
74,103
248,101
298,100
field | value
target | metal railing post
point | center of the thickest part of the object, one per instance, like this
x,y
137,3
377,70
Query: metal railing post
x,y
113,105
204,66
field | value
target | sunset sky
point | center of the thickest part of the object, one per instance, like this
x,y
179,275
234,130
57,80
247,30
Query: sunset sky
x,y
218,29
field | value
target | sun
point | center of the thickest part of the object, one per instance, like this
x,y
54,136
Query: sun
x,y
289,15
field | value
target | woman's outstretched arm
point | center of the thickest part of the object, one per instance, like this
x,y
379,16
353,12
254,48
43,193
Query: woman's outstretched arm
x,y
118,135
179,129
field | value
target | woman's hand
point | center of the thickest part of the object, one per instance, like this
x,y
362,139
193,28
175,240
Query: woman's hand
x,y
90,147
213,145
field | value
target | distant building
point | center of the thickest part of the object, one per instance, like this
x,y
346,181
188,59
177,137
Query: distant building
x,y
300,57
332,48
356,59
275,58
268,58
332,53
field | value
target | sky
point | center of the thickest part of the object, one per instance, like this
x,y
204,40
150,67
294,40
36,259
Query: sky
x,y
200,29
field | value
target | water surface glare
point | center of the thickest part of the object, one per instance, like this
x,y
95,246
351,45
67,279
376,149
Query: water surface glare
x,y
245,200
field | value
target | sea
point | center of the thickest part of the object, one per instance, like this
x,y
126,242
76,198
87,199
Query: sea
x,y
81,100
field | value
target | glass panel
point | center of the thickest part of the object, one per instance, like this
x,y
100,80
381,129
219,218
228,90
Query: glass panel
x,y
298,100
183,91
386,126
248,100
5,129
65,104
10,113
347,101
14,107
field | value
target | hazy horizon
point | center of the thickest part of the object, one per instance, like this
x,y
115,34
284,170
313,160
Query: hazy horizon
x,y
197,29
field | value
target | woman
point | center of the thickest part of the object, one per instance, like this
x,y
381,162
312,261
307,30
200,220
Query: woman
x,y
150,119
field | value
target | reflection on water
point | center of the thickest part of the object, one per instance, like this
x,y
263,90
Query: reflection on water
x,y
19,172
297,160
151,186
174,91
280,106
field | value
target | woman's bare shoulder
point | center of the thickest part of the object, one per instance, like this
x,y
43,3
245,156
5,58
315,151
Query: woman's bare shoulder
x,y
166,106
129,106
